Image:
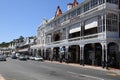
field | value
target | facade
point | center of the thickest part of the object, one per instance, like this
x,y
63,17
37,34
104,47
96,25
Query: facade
x,y
87,33
38,48
22,45
5,50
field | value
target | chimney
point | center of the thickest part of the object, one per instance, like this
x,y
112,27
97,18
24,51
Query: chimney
x,y
75,3
70,6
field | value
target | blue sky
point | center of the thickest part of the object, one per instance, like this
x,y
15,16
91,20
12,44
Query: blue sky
x,y
22,17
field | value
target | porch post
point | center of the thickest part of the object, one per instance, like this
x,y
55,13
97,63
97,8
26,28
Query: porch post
x,y
103,55
93,54
66,53
33,52
37,52
82,55
41,52
77,54
51,55
45,53
67,33
106,56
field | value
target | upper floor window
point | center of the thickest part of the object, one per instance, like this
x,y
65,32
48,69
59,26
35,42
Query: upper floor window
x,y
86,6
73,13
101,1
79,11
111,22
68,16
63,18
94,3
112,1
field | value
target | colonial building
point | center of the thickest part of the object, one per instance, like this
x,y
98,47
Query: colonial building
x,y
38,48
22,45
87,33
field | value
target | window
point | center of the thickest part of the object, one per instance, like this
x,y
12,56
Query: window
x,y
64,34
68,16
100,23
49,38
63,18
75,28
101,1
86,7
91,23
79,11
111,22
73,14
58,21
94,3
112,1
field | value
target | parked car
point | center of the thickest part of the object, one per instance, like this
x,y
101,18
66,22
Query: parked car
x,y
27,57
32,58
17,54
13,56
38,58
2,58
21,57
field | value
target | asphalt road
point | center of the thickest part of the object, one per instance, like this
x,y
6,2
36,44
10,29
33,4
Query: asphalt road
x,y
35,70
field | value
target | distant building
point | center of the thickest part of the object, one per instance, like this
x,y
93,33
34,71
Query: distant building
x,y
22,45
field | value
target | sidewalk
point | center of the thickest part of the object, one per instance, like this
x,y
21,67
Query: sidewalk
x,y
117,71
1,77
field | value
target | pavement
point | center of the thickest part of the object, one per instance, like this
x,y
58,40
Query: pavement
x,y
117,71
1,77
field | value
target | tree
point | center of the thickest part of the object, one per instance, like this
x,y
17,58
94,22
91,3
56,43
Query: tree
x,y
4,44
21,39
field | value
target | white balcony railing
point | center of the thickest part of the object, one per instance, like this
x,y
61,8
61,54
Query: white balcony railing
x,y
93,36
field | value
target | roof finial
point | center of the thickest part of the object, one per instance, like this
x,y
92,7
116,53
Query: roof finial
x,y
58,12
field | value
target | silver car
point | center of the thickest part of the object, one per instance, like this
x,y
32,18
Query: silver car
x,y
2,58
38,58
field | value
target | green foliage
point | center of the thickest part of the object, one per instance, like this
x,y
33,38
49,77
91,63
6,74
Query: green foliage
x,y
4,44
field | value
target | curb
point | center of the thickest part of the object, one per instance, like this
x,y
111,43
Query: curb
x,y
116,71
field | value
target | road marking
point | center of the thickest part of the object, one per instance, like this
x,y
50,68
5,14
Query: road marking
x,y
1,77
113,74
83,75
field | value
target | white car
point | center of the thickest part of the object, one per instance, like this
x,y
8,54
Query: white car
x,y
32,58
38,58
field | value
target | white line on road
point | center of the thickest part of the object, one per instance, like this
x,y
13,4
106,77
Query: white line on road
x,y
88,76
1,77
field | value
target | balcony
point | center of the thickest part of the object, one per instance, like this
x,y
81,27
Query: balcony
x,y
93,37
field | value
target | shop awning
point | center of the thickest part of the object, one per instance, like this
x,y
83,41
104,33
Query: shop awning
x,y
23,50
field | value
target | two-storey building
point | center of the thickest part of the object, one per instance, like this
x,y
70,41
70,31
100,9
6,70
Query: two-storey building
x,y
22,45
87,33
38,48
